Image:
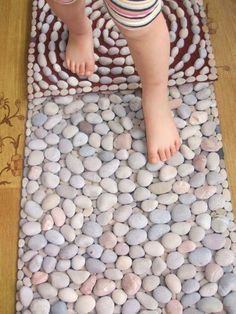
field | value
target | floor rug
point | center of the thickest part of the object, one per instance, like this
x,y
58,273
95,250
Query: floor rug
x,y
102,230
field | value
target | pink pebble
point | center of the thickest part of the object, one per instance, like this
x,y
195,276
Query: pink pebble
x,y
123,141
58,216
186,246
174,307
175,103
213,272
87,286
47,223
210,144
122,248
39,277
199,162
34,172
206,191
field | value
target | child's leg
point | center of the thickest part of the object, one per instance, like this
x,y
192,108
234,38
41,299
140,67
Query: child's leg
x,y
150,49
79,51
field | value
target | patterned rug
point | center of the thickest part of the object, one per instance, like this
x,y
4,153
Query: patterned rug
x,y
101,229
191,57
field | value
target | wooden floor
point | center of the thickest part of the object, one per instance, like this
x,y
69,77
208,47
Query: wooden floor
x,y
15,19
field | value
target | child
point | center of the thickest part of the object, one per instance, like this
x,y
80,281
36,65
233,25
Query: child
x,y
143,25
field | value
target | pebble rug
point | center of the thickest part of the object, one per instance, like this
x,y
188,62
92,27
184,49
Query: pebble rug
x,y
191,58
103,231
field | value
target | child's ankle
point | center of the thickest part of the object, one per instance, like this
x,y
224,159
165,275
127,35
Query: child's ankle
x,y
83,27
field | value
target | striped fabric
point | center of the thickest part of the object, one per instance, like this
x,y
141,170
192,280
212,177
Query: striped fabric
x,y
133,13
130,13
65,1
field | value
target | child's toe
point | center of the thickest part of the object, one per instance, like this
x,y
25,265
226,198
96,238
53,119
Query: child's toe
x,y
173,149
89,68
72,66
177,144
168,154
82,69
162,154
152,156
77,69
68,63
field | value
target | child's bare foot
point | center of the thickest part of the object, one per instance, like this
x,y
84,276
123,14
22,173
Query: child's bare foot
x,y
80,51
161,133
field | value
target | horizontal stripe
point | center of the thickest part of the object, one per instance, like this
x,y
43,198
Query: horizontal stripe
x,y
131,12
133,22
65,1
134,5
121,8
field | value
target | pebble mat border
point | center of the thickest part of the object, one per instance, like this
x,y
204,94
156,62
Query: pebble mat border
x,y
191,51
102,230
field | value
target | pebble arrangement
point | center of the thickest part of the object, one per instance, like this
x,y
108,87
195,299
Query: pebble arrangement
x,y
191,56
104,231
101,229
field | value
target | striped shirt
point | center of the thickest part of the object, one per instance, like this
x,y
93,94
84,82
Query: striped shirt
x,y
133,13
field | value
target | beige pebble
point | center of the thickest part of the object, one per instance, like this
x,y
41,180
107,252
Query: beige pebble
x,y
123,262
171,240
104,287
173,283
85,304
119,296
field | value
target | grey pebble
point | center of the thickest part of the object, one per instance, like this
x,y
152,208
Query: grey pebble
x,y
59,308
68,251
39,119
230,302
162,294
190,286
180,212
37,242
200,256
66,191
190,299
92,229
131,306
156,231
210,305
94,265
136,236
160,216
227,283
